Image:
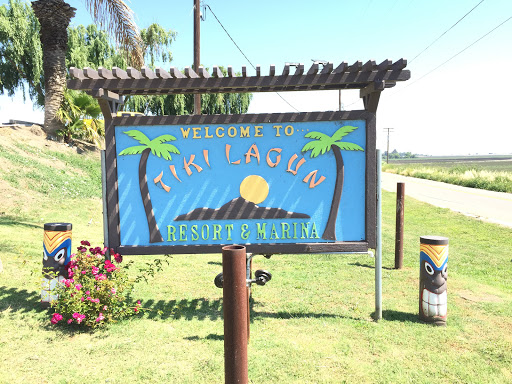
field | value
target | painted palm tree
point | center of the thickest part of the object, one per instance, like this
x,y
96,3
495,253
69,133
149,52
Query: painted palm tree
x,y
54,17
323,144
160,148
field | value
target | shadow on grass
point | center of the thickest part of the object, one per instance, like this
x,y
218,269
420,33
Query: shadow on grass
x,y
211,336
295,315
202,309
13,220
198,309
23,301
20,300
391,315
358,264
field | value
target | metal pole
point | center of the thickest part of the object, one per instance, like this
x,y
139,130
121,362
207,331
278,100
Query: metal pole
x,y
399,231
378,253
104,196
235,314
387,152
248,277
197,50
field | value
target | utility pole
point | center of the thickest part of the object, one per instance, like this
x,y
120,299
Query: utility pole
x,y
387,152
197,49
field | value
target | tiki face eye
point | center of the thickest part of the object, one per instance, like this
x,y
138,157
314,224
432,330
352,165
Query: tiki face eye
x,y
445,270
60,256
45,256
429,268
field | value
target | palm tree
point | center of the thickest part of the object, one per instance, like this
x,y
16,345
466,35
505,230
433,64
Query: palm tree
x,y
80,113
159,148
322,145
54,17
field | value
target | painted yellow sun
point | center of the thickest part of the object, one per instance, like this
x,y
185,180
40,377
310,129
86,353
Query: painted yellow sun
x,y
254,188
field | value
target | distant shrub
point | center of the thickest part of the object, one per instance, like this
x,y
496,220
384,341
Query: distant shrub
x,y
473,177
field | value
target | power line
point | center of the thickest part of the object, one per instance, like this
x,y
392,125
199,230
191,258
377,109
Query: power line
x,y
458,21
445,32
446,61
249,61
458,53
227,33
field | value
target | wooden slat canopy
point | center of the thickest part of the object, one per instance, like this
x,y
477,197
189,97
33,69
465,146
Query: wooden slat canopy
x,y
294,77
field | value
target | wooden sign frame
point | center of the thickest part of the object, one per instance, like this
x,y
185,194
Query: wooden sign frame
x,y
113,210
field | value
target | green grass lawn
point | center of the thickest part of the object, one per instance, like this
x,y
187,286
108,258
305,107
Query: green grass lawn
x,y
312,323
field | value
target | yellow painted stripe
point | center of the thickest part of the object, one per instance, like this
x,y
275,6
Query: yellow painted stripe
x,y
52,239
438,253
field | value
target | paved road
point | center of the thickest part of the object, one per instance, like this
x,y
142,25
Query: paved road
x,y
495,207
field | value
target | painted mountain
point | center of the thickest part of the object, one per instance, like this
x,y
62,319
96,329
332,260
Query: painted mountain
x,y
237,209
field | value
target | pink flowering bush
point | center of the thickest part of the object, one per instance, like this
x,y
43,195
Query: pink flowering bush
x,y
96,291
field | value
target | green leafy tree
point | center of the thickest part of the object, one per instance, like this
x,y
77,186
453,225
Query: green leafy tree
x,y
21,65
156,42
324,143
80,114
157,147
211,104
91,47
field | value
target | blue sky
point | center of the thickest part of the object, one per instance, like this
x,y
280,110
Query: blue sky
x,y
459,108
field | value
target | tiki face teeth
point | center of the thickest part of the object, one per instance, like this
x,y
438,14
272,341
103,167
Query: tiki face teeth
x,y
434,304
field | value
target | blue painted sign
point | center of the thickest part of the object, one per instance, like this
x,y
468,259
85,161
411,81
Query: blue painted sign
x,y
276,182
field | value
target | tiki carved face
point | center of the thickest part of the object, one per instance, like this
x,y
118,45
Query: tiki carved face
x,y
56,253
433,277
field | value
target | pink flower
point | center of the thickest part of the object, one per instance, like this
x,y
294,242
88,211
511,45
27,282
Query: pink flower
x,y
87,292
118,258
95,300
113,290
100,277
84,272
100,317
56,318
86,243
81,249
95,270
82,298
79,317
95,250
78,287
109,266
105,308
70,321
